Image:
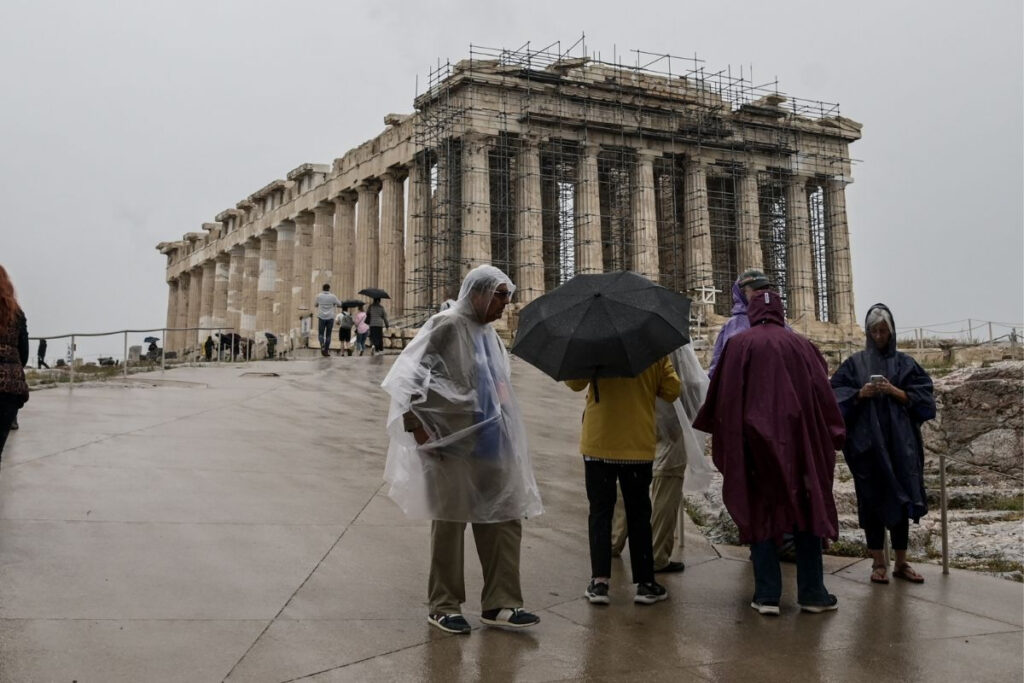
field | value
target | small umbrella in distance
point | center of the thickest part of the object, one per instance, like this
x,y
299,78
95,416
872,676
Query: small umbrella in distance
x,y
150,340
602,325
375,293
352,303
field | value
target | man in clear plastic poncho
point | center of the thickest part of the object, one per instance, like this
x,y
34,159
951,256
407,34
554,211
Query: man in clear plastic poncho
x,y
458,452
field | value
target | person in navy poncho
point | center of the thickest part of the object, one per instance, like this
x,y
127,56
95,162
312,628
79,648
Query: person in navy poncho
x,y
775,429
884,449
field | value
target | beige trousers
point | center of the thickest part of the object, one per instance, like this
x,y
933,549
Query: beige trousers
x,y
666,496
497,545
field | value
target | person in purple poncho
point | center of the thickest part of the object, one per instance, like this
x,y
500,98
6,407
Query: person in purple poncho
x,y
750,281
775,428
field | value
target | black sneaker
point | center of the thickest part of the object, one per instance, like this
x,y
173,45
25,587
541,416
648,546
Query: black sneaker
x,y
831,603
597,593
14,425
650,593
449,623
769,608
512,618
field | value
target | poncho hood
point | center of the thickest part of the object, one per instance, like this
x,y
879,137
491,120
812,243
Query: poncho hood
x,y
766,307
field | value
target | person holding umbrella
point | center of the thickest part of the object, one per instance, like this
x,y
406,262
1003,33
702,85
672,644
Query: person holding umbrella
x,y
377,319
458,453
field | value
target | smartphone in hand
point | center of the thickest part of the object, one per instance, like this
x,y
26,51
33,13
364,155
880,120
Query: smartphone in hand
x,y
877,379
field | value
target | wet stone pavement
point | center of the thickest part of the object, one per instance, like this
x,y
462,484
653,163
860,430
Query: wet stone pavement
x,y
210,524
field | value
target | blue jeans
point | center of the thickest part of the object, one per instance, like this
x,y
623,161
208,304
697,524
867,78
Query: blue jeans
x,y
323,332
810,585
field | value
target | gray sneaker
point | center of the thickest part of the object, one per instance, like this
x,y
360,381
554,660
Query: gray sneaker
x,y
450,623
511,618
650,593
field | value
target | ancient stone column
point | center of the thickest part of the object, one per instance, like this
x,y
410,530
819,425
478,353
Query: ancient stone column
x,y
250,288
392,239
195,297
697,226
749,220
172,312
236,280
323,249
284,320
529,224
476,202
344,268
445,283
302,271
840,291
417,246
266,286
181,310
799,276
645,222
219,317
589,255
206,299
367,235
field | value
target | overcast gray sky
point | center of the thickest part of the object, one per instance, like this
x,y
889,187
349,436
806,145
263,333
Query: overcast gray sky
x,y
128,123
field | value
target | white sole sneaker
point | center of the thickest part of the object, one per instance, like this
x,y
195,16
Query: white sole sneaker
x,y
766,610
650,599
818,609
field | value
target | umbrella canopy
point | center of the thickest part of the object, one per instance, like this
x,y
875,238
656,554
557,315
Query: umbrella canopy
x,y
375,293
150,340
352,303
602,325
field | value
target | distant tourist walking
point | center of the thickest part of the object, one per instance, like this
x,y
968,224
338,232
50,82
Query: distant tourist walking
x,y
885,397
775,429
345,324
41,355
377,319
359,319
13,357
325,305
459,455
208,348
618,444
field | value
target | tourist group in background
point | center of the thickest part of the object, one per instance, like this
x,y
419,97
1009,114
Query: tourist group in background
x,y
458,452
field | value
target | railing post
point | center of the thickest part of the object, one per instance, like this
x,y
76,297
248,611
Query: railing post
x,y
220,344
71,366
163,352
125,367
944,520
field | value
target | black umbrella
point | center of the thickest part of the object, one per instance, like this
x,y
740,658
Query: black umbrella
x,y
375,293
602,325
352,303
150,340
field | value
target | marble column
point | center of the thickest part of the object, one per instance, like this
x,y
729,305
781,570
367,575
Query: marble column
x,y
181,311
323,249
206,299
799,275
589,254
302,272
476,202
344,266
840,291
236,278
284,321
172,313
749,252
219,317
392,239
445,282
645,221
697,227
266,285
368,235
195,297
250,288
417,246
529,224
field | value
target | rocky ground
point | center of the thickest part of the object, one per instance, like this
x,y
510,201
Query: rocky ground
x,y
979,431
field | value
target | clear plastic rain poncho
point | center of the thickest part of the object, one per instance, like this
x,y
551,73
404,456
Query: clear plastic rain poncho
x,y
454,379
680,446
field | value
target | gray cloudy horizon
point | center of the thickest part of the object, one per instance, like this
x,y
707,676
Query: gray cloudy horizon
x,y
129,124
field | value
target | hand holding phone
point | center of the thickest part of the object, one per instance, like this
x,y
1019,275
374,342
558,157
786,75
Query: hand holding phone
x,y
878,379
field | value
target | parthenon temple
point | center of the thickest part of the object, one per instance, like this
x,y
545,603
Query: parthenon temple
x,y
546,165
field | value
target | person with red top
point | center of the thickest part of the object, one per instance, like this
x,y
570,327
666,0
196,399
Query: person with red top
x,y
13,357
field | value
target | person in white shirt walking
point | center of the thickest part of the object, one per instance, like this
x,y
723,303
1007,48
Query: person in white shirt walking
x,y
325,305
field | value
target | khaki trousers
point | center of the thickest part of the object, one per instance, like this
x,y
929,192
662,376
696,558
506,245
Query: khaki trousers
x,y
666,496
497,545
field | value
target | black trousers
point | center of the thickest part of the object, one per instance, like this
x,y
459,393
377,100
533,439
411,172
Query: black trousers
x,y
9,407
377,338
874,534
635,481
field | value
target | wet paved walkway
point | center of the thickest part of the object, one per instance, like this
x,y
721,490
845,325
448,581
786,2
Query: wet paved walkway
x,y
218,525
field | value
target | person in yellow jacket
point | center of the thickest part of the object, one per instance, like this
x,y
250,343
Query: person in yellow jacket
x,y
618,444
